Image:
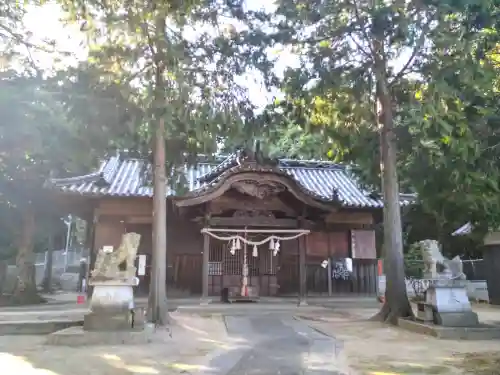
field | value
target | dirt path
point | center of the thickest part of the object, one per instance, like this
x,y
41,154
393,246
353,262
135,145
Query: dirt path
x,y
376,349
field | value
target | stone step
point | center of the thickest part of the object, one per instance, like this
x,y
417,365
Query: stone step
x,y
36,327
77,336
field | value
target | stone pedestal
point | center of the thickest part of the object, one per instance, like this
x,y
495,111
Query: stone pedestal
x,y
112,307
114,295
132,320
450,304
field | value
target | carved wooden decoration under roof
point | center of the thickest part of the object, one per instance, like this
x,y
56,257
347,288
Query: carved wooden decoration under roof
x,y
260,184
259,189
254,214
242,202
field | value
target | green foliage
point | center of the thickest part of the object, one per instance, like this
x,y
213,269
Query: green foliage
x,y
414,264
37,137
444,94
47,130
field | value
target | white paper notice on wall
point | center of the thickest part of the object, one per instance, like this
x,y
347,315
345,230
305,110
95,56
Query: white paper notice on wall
x,y
141,267
348,264
107,249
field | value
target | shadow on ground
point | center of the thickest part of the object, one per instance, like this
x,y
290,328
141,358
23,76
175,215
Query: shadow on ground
x,y
178,353
146,359
471,363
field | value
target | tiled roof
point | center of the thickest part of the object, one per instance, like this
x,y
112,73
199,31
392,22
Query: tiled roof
x,y
124,177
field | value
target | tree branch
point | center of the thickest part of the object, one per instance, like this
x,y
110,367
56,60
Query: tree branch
x,y
360,47
416,49
313,40
20,40
361,23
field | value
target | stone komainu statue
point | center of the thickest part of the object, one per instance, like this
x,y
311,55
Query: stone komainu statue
x,y
107,265
432,257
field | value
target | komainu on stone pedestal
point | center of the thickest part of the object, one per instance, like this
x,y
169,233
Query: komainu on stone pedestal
x,y
446,300
112,304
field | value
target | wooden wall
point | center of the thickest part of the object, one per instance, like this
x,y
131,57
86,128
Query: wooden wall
x,y
325,244
108,232
362,280
363,244
185,244
184,253
132,210
117,216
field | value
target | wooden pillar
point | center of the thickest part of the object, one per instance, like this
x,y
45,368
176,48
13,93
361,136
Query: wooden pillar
x,y
302,271
91,245
329,266
206,253
49,260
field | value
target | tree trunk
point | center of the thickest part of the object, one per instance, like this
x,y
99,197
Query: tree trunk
x,y
396,303
159,261
25,291
4,266
152,274
47,278
159,310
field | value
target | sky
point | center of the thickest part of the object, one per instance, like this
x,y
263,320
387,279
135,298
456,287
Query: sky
x,y
45,22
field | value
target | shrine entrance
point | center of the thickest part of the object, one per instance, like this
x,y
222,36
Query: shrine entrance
x,y
245,263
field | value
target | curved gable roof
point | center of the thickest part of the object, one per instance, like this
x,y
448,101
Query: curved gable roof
x,y
121,176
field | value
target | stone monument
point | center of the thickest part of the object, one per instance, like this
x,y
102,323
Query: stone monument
x,y
446,300
113,278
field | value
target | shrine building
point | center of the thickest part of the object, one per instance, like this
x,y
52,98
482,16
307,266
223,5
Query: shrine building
x,y
271,222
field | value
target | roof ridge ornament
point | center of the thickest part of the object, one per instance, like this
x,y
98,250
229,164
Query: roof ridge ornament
x,y
255,157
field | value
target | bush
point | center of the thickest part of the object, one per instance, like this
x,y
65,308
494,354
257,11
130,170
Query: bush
x,y
414,262
414,269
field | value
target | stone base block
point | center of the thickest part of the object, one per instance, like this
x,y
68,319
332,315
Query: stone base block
x,y
77,336
109,322
480,332
448,299
456,319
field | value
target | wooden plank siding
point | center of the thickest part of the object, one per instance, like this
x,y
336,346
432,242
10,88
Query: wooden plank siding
x,y
279,276
363,278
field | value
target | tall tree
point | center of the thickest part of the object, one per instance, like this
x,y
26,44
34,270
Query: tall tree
x,y
446,132
360,61
187,91
47,130
33,124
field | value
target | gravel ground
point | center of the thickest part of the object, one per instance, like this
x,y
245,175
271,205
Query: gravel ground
x,y
29,355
